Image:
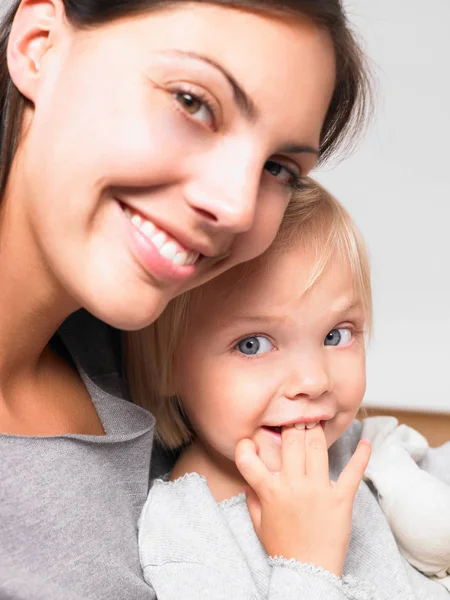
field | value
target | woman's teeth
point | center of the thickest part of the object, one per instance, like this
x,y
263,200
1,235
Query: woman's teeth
x,y
166,246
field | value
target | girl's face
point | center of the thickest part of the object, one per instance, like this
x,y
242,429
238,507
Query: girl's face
x,y
162,149
261,353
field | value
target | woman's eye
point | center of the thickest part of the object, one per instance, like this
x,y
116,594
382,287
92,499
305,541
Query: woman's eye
x,y
283,174
338,337
257,344
196,107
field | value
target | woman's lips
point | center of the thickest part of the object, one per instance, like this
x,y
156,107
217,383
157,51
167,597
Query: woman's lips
x,y
166,245
162,257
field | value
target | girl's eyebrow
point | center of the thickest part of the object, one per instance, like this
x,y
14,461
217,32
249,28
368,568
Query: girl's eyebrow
x,y
343,307
247,318
243,101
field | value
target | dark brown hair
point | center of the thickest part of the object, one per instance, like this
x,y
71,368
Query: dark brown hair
x,y
349,105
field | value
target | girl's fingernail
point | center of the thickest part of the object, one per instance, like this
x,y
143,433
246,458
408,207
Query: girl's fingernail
x,y
300,426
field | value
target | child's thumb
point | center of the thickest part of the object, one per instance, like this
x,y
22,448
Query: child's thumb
x,y
251,466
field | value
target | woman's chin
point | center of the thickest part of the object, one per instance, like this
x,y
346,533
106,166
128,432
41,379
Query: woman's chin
x,y
128,314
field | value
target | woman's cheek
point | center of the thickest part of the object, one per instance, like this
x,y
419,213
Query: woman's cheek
x,y
137,158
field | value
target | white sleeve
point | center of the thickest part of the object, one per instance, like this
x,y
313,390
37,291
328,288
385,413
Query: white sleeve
x,y
292,580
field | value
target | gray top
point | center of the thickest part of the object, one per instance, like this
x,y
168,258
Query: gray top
x,y
191,547
69,504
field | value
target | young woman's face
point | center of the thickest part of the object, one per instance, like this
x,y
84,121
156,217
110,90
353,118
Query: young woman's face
x,y
162,149
261,353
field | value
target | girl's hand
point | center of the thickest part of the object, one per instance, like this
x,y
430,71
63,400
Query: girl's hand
x,y
298,512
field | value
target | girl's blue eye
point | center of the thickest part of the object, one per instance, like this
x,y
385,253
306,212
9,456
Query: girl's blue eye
x,y
256,344
196,107
283,174
338,337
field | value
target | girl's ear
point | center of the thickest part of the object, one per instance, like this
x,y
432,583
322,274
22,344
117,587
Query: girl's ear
x,y
33,34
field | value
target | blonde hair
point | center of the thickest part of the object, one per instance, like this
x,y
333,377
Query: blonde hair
x,y
313,218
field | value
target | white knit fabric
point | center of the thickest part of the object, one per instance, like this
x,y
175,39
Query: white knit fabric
x,y
192,547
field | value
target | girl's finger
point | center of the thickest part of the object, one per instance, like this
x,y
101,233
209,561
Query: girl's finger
x,y
254,508
316,451
293,451
251,467
351,476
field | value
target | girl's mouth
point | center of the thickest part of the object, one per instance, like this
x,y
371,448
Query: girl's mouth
x,y
275,430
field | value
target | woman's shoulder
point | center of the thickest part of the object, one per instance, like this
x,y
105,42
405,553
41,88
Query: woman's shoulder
x,y
95,350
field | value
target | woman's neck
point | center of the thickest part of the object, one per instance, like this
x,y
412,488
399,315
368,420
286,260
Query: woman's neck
x,y
39,393
222,475
32,304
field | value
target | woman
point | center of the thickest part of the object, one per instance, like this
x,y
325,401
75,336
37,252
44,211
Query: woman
x,y
145,147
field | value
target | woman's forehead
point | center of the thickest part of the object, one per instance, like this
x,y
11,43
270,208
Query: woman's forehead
x,y
290,77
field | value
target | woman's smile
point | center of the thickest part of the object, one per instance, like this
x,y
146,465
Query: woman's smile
x,y
160,254
166,245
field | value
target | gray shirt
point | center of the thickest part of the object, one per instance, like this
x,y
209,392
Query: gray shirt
x,y
69,504
191,547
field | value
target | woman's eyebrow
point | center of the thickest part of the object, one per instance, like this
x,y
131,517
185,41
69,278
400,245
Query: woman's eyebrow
x,y
242,99
300,149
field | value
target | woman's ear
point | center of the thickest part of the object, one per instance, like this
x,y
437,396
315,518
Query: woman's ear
x,y
33,34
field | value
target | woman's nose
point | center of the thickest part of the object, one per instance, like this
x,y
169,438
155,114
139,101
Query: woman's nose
x,y
224,191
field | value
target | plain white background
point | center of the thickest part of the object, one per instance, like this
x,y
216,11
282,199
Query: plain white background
x,y
396,185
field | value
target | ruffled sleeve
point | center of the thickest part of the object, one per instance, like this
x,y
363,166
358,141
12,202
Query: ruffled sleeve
x,y
292,580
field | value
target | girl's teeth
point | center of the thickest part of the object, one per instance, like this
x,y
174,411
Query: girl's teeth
x,y
300,426
311,425
169,250
159,240
166,248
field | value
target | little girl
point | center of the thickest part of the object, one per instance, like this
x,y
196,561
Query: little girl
x,y
254,377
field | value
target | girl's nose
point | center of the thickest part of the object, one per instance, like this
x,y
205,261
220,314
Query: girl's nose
x,y
223,190
309,379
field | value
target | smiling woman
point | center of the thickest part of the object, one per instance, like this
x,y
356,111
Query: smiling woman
x,y
206,164
145,147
